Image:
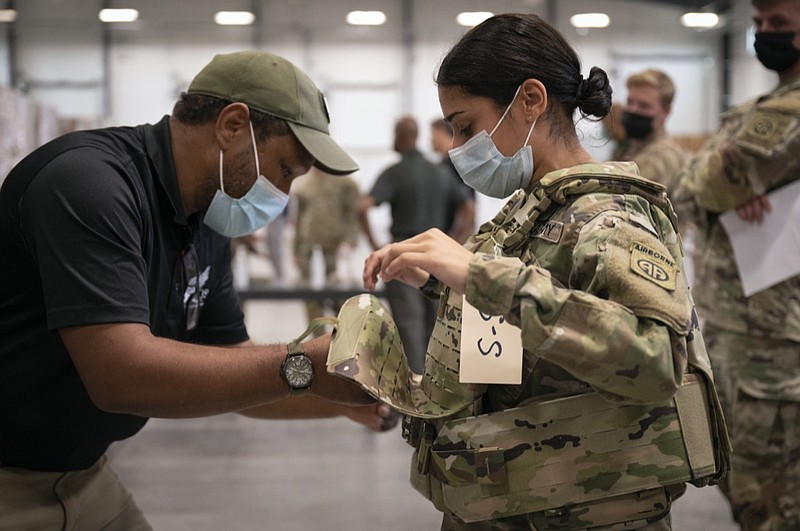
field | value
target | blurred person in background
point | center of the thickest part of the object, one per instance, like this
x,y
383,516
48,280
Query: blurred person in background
x,y
753,341
421,196
326,225
644,118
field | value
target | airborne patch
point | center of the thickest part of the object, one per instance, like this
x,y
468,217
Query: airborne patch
x,y
653,265
550,231
765,132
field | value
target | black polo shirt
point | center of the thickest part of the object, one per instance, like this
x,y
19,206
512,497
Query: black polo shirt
x,y
92,230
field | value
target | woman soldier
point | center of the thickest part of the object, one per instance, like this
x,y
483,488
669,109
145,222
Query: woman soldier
x,y
585,262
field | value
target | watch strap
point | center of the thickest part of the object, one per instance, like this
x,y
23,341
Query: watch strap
x,y
431,288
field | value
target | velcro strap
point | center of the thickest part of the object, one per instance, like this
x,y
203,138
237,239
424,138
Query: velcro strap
x,y
294,345
696,427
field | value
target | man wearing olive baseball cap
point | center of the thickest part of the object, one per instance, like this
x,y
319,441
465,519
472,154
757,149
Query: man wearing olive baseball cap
x,y
116,294
273,86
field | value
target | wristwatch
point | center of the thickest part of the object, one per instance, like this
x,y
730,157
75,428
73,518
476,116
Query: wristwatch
x,y
297,370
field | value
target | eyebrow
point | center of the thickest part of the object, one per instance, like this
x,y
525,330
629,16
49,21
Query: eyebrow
x,y
449,118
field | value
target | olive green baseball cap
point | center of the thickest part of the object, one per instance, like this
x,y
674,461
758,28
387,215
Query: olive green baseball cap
x,y
271,84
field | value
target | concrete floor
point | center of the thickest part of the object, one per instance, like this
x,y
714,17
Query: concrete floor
x,y
238,474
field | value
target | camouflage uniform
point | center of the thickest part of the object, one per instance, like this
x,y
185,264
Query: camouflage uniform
x,y
325,217
753,342
588,267
659,159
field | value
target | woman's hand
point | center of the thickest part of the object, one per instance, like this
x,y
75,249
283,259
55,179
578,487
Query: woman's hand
x,y
413,260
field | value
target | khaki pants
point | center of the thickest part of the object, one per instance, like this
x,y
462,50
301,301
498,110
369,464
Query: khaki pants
x,y
84,500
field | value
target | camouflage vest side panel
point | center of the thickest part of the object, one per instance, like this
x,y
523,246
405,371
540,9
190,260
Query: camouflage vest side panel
x,y
476,477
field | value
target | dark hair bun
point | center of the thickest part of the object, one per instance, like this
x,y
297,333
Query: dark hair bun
x,y
594,93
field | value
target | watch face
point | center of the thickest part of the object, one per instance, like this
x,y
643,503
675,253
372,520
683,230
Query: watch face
x,y
298,371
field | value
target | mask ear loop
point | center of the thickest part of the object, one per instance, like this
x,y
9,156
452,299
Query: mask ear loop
x,y
530,132
506,111
221,186
255,150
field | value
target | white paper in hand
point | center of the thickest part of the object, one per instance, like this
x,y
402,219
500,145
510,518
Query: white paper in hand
x,y
769,252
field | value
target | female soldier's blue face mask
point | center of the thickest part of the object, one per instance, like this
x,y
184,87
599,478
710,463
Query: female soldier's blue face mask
x,y
481,165
260,205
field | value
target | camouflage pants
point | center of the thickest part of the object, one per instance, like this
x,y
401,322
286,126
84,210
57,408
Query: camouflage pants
x,y
756,379
520,523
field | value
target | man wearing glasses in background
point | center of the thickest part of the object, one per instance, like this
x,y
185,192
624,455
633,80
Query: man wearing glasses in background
x,y
116,296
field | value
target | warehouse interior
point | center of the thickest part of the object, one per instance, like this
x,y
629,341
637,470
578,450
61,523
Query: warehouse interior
x,y
63,69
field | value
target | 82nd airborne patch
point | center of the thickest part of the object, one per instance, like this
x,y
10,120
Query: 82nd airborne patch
x,y
653,265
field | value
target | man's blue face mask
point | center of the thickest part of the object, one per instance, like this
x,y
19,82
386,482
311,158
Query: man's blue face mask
x,y
258,207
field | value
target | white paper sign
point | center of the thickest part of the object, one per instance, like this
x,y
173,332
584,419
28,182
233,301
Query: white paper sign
x,y
769,252
491,349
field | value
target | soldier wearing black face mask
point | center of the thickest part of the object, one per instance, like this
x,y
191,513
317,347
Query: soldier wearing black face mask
x,y
754,341
776,50
649,102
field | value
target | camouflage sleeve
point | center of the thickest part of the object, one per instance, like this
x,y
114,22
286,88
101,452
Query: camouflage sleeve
x,y
662,163
716,178
686,209
613,328
754,151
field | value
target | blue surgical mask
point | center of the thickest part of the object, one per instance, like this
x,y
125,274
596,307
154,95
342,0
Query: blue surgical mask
x,y
486,170
258,207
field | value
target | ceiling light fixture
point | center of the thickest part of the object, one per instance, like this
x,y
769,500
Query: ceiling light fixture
x,y
8,15
118,15
472,18
234,18
590,20
366,18
699,20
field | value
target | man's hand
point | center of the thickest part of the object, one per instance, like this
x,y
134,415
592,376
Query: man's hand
x,y
754,210
378,417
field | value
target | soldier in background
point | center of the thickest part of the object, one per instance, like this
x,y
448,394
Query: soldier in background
x,y
587,285
753,342
325,218
660,159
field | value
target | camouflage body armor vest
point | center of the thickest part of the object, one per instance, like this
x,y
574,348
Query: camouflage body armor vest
x,y
567,458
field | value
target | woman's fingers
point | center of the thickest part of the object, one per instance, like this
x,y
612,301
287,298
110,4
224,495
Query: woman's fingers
x,y
412,261
429,253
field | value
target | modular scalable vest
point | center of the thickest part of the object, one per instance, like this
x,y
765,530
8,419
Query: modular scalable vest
x,y
572,462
